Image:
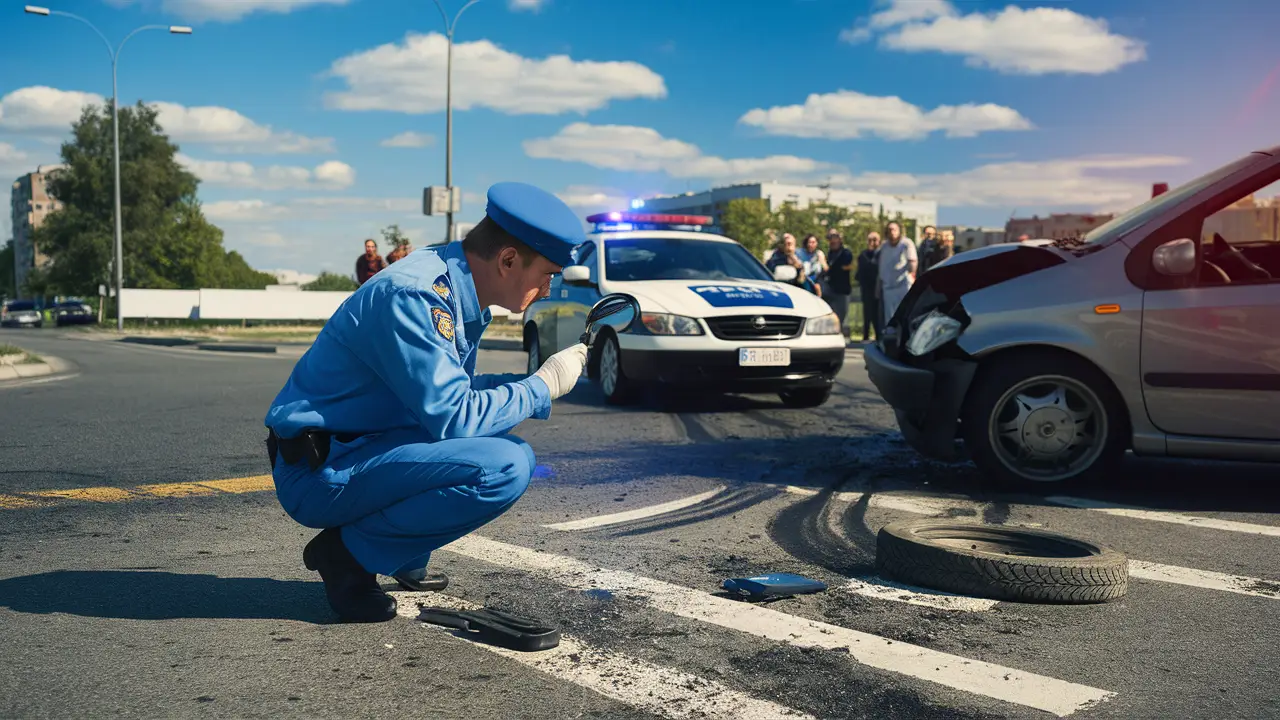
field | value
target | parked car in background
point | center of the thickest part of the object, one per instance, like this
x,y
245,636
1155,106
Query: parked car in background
x,y
21,313
73,312
1153,333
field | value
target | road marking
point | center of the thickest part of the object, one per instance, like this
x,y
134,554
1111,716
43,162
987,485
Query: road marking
x,y
881,589
14,502
256,483
1204,579
37,381
1166,516
975,676
92,494
175,490
637,514
663,691
919,504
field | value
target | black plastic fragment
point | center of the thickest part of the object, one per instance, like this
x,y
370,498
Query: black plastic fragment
x,y
495,627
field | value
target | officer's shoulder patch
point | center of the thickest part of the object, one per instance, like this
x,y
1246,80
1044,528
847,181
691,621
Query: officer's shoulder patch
x,y
444,322
442,287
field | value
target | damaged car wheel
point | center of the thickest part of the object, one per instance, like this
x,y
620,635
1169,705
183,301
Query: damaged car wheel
x,y
1038,420
1000,563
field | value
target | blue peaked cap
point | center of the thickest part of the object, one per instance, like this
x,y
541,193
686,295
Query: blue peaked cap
x,y
538,219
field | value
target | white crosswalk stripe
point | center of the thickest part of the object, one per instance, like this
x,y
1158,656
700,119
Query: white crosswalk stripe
x,y
636,514
1051,695
1167,516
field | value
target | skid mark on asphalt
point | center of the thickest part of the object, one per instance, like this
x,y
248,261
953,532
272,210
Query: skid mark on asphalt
x,y
1166,516
663,691
948,507
636,514
725,504
1010,685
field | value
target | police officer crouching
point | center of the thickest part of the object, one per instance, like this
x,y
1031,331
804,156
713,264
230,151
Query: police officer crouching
x,y
385,438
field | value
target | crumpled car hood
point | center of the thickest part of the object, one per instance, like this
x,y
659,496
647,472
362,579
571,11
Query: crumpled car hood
x,y
986,266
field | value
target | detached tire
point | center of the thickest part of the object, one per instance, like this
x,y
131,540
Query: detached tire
x,y
1000,563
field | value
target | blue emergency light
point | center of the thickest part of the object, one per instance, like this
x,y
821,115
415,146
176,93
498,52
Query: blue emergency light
x,y
626,221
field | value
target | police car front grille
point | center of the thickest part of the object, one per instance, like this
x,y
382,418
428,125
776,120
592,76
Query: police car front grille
x,y
748,327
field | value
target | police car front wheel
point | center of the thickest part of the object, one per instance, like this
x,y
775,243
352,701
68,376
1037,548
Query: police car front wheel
x,y
617,388
535,351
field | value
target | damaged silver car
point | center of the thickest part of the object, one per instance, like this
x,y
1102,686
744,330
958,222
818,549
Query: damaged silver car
x,y
1158,332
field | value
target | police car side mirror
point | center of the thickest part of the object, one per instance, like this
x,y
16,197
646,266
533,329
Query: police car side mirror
x,y
784,273
576,275
617,311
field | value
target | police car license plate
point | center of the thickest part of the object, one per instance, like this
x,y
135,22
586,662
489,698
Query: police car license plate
x,y
764,357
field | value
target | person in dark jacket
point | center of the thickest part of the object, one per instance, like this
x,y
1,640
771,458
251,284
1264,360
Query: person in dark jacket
x,y
839,287
370,263
868,277
945,248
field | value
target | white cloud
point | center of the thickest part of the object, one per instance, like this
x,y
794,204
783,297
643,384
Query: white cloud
x,y
43,108
46,109
310,208
226,10
13,162
1015,40
641,149
332,175
845,114
409,139
1073,182
587,196
527,5
229,131
409,77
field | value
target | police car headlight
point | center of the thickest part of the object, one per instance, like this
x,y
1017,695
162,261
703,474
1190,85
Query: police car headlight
x,y
933,331
667,324
828,324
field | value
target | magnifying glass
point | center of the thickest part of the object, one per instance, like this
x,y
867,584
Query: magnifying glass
x,y
617,311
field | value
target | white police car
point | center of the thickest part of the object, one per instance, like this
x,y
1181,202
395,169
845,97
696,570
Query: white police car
x,y
713,318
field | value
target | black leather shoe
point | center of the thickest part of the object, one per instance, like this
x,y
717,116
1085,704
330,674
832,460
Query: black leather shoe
x,y
420,581
353,592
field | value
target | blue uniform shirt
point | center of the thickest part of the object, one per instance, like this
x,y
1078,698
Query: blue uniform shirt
x,y
401,352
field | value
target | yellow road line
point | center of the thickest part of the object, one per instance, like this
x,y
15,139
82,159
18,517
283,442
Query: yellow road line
x,y
93,494
257,483
174,489
106,494
13,502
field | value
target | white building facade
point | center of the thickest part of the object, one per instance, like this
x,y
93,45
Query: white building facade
x,y
714,201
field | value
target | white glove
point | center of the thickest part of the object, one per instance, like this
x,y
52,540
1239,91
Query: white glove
x,y
561,371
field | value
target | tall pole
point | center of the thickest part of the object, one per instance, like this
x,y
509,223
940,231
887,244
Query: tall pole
x,y
114,52
115,161
448,113
448,140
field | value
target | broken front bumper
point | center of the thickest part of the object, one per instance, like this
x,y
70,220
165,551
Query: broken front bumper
x,y
926,399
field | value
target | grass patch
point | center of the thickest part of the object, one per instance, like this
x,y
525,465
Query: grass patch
x,y
31,359
6,349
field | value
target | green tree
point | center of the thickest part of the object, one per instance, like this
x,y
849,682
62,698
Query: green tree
x,y
7,264
167,241
332,282
748,221
394,237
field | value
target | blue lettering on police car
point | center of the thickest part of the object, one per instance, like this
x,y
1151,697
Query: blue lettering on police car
x,y
741,296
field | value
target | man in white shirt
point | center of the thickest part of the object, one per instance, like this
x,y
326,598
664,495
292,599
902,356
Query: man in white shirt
x,y
898,263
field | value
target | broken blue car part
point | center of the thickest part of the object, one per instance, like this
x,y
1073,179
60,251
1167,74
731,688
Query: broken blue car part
x,y
773,585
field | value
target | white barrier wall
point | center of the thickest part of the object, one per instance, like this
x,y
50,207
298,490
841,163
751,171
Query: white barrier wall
x,y
209,304
167,304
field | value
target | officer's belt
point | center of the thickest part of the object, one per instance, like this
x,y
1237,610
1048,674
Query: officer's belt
x,y
311,445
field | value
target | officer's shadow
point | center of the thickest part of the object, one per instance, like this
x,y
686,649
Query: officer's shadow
x,y
156,595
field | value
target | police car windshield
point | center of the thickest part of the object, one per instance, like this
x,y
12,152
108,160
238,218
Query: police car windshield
x,y
658,258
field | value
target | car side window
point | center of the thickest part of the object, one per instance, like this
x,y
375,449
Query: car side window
x,y
1236,236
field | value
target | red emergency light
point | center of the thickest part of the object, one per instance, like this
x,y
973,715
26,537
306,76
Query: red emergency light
x,y
628,217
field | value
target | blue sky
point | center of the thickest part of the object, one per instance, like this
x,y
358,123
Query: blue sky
x,y
284,107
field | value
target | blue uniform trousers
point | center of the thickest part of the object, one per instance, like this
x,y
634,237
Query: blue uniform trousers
x,y
398,495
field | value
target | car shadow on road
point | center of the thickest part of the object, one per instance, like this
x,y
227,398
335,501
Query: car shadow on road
x,y
158,595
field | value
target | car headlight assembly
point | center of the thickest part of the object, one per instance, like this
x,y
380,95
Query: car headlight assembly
x,y
934,331
668,324
828,324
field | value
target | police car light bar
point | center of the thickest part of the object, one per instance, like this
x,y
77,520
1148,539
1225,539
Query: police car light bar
x,y
649,218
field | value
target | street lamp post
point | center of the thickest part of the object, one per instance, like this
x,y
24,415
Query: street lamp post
x,y
115,131
448,114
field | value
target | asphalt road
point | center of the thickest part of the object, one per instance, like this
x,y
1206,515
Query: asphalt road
x,y
129,588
